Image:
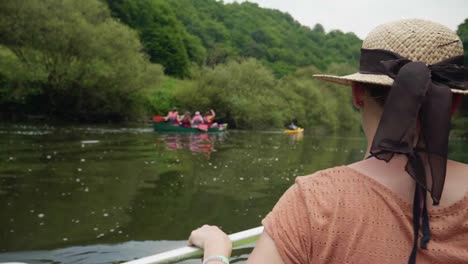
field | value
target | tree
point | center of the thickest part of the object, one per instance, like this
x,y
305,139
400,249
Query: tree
x,y
162,35
74,60
319,28
463,33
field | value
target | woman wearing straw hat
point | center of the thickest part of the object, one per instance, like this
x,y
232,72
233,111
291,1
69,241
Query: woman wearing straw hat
x,y
405,203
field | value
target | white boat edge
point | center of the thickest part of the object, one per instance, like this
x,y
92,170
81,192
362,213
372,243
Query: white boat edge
x,y
238,239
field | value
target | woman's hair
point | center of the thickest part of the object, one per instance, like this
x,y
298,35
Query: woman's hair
x,y
377,92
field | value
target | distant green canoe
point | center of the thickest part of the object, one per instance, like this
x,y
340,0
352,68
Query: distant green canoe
x,y
163,127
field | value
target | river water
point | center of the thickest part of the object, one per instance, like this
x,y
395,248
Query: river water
x,y
107,194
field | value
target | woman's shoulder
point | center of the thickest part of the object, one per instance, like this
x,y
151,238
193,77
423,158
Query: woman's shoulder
x,y
336,184
393,178
457,167
345,185
332,178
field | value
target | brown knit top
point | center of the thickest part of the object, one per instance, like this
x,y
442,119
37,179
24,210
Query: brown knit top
x,y
342,216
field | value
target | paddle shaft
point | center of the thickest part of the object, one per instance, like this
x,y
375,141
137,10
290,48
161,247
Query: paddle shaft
x,y
238,239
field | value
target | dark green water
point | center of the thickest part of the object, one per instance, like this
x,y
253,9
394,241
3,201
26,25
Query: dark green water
x,y
106,195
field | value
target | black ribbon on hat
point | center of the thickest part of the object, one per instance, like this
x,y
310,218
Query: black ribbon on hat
x,y
421,93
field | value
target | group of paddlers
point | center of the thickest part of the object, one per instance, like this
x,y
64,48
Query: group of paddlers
x,y
186,120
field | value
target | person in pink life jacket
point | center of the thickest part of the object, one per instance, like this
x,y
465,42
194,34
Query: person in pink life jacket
x,y
209,118
172,117
186,120
197,119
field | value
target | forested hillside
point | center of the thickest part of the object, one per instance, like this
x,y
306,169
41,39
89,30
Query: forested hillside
x,y
208,32
126,60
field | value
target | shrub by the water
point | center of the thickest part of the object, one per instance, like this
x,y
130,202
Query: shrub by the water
x,y
247,94
70,59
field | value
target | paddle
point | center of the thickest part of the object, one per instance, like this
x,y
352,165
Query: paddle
x,y
203,127
158,118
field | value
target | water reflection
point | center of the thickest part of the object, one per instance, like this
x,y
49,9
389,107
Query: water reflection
x,y
195,143
99,195
296,137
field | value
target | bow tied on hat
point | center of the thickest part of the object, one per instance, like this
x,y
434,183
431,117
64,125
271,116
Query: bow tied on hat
x,y
419,93
415,120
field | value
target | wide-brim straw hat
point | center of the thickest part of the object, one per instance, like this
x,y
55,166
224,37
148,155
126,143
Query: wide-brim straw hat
x,y
415,39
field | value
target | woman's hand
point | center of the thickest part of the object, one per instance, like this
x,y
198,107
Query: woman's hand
x,y
212,239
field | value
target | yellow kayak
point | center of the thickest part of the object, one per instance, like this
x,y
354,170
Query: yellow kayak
x,y
294,131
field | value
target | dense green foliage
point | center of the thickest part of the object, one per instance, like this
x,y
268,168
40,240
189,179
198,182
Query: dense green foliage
x,y
162,35
211,32
461,122
463,33
248,95
71,59
243,92
107,60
